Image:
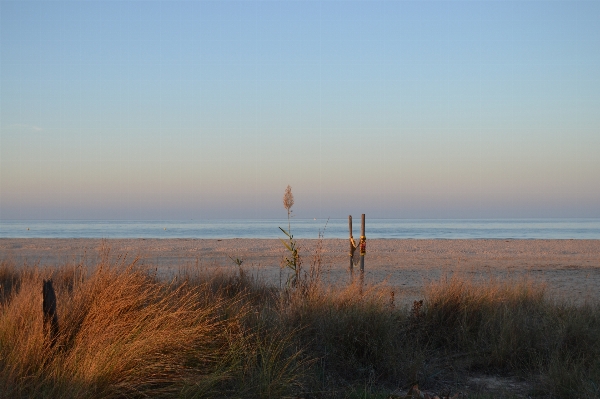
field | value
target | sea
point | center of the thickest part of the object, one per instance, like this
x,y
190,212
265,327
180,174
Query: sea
x,y
306,228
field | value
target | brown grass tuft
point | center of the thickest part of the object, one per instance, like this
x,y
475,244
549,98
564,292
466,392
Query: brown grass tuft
x,y
123,333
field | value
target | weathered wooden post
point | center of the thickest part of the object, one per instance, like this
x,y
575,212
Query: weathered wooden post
x,y
363,248
352,247
49,309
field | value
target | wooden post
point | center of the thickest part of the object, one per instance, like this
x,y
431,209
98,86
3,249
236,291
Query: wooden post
x,y
49,309
363,247
352,246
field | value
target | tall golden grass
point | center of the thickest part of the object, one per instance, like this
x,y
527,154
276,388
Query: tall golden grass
x,y
123,332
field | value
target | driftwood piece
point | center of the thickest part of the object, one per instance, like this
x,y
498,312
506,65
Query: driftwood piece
x,y
50,314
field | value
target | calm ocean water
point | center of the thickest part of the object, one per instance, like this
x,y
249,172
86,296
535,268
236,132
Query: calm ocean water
x,y
306,228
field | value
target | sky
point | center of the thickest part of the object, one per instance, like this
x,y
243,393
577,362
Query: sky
x,y
171,110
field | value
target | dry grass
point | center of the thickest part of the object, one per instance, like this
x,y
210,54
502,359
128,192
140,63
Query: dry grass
x,y
512,327
125,333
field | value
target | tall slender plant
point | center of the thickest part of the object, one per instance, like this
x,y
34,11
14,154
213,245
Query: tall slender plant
x,y
293,261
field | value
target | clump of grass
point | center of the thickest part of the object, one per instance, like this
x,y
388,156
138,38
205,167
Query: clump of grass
x,y
120,333
352,331
507,328
490,318
125,334
513,327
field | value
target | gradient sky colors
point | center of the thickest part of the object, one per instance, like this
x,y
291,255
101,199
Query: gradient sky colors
x,y
396,109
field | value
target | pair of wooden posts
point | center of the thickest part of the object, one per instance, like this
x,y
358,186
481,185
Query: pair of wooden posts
x,y
362,246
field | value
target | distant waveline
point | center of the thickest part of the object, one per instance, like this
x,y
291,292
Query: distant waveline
x,y
307,228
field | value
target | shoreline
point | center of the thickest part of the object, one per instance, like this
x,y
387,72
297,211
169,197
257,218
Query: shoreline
x,y
569,267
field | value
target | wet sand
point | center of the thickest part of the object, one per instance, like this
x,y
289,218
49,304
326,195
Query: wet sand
x,y
570,268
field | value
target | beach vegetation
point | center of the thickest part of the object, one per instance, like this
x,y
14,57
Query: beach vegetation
x,y
124,332
292,261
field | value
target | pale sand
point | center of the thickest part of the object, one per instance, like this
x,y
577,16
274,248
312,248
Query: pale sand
x,y
570,268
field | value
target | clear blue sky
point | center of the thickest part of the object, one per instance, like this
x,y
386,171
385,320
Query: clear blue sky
x,y
396,109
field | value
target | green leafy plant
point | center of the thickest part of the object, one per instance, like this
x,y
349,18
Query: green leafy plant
x,y
237,260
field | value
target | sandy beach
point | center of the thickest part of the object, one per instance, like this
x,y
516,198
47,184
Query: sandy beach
x,y
570,268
